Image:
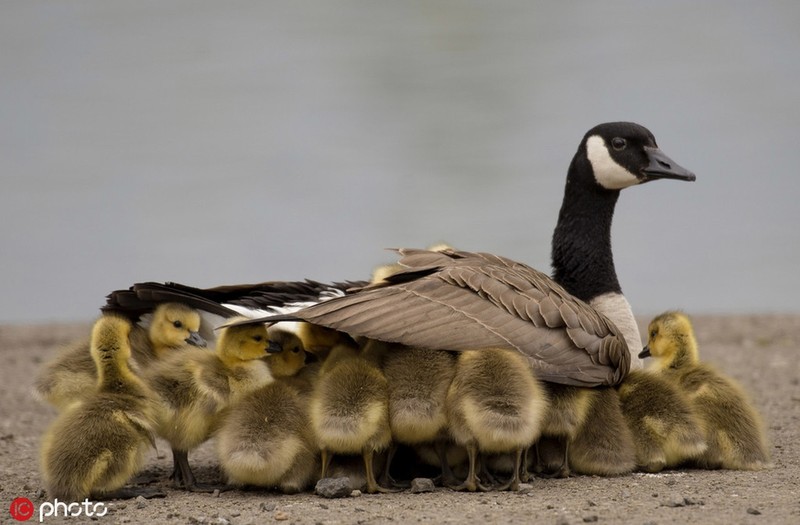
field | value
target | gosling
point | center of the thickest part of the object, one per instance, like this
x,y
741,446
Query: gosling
x,y
72,375
667,430
266,439
419,380
494,405
735,434
95,446
196,386
349,409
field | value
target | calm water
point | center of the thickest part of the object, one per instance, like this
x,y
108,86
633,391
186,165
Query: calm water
x,y
213,143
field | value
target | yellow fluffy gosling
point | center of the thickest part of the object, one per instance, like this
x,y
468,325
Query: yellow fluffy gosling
x,y
734,431
495,405
72,375
666,429
266,438
96,445
349,407
418,380
195,386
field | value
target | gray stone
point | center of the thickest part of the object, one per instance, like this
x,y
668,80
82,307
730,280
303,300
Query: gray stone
x,y
333,487
419,485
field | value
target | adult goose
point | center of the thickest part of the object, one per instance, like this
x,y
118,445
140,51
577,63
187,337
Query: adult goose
x,y
459,300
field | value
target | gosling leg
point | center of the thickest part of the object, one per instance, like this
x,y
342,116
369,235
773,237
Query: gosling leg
x,y
472,483
372,484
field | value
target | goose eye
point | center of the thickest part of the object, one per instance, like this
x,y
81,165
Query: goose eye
x,y
177,324
618,143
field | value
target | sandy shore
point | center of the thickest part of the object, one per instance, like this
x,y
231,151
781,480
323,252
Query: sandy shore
x,y
759,351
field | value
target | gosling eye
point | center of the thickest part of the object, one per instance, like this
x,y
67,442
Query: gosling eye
x,y
177,324
618,143
653,333
295,350
258,338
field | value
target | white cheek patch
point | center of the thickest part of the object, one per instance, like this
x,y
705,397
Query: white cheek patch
x,y
607,172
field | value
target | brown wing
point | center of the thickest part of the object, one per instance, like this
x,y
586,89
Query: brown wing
x,y
463,301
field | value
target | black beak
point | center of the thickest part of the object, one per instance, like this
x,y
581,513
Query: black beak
x,y
663,167
645,352
274,347
195,339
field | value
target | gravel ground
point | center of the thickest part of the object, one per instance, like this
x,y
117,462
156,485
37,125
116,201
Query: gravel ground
x,y
759,351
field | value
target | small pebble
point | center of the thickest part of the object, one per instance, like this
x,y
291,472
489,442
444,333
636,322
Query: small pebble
x,y
754,512
267,506
690,501
39,493
525,488
333,487
420,485
215,494
355,494
674,502
323,506
590,519
281,515
140,502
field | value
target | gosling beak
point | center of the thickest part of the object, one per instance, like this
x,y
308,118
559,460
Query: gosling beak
x,y
645,352
195,339
663,167
274,347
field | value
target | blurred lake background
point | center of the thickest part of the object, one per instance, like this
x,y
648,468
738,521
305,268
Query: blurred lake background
x,y
227,142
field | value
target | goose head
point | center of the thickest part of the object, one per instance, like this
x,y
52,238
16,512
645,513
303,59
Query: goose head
x,y
670,341
174,325
623,154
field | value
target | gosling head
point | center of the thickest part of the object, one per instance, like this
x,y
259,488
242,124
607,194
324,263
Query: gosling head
x,y
174,325
670,341
623,154
291,357
109,340
244,342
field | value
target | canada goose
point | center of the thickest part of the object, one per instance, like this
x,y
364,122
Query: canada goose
x,y
461,301
72,375
349,407
603,445
494,405
418,381
195,386
734,431
666,429
266,439
95,446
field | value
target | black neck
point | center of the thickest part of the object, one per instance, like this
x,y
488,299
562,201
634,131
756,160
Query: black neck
x,y
581,252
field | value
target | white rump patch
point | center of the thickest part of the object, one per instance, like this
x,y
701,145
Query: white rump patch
x,y
617,308
607,172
